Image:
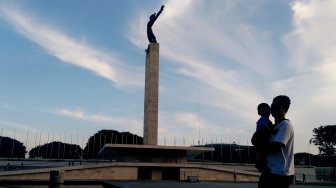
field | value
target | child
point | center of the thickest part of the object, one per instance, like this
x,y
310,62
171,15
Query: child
x,y
262,135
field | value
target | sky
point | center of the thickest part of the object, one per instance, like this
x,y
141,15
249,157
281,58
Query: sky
x,y
71,68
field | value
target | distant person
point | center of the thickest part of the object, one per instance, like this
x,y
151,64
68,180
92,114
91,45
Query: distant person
x,y
304,178
8,167
261,137
150,35
279,152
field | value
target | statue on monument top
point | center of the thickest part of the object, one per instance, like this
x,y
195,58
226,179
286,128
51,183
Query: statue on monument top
x,y
150,35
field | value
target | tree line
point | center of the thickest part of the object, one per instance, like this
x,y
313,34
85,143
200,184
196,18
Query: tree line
x,y
324,137
12,148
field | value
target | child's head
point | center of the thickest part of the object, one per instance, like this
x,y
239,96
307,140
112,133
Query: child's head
x,y
264,110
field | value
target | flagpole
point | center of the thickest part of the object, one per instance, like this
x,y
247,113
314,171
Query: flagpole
x,y
222,150
26,140
1,136
76,147
64,145
112,138
248,152
88,151
70,146
104,140
39,146
52,145
94,142
47,147
13,143
100,140
35,145
59,146
230,152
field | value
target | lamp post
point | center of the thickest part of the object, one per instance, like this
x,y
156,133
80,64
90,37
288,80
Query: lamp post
x,y
309,154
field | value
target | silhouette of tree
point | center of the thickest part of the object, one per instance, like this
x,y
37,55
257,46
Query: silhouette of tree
x,y
102,137
11,148
56,150
325,139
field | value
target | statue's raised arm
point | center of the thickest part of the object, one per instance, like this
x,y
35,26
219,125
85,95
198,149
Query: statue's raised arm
x,y
150,35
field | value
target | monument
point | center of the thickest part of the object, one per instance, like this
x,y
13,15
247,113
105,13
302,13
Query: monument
x,y
149,161
150,133
152,160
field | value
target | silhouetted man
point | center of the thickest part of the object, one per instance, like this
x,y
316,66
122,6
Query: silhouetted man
x,y
150,35
279,171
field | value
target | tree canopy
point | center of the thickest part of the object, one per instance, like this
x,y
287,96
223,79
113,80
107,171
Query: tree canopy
x,y
325,139
56,150
11,148
102,137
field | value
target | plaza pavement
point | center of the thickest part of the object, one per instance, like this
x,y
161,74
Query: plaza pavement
x,y
176,184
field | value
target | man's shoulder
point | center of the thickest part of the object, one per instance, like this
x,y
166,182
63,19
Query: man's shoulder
x,y
285,122
285,127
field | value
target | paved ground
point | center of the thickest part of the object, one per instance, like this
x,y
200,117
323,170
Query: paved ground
x,y
170,184
31,164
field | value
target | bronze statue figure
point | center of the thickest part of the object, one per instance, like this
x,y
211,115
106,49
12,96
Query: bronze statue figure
x,y
150,35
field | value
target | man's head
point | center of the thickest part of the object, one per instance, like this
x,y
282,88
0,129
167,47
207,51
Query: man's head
x,y
264,109
280,106
152,17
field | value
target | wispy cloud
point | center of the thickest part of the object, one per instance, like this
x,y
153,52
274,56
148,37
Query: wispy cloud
x,y
313,34
17,126
191,127
70,50
223,55
312,45
117,123
220,48
8,107
239,64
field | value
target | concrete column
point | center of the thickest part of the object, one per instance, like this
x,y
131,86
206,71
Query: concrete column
x,y
151,95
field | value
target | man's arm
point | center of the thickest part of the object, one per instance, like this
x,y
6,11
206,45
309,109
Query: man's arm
x,y
283,135
158,14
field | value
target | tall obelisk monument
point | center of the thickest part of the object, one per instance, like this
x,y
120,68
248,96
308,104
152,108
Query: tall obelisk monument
x,y
150,134
151,95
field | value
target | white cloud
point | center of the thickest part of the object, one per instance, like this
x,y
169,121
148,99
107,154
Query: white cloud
x,y
70,50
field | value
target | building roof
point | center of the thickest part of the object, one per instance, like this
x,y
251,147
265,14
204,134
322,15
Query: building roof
x,y
117,148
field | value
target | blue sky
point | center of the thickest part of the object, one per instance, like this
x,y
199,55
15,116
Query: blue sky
x,y
71,68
